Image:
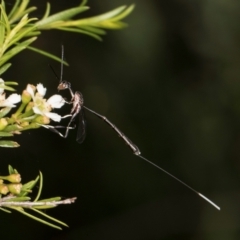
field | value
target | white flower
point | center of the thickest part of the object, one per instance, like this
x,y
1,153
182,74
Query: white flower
x,y
31,89
41,90
1,86
10,101
42,106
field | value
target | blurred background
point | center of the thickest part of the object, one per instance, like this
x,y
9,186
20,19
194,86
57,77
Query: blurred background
x,y
171,83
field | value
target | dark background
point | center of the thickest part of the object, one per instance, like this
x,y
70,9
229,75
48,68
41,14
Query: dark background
x,y
171,82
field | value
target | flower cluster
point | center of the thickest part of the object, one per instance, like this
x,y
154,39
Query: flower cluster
x,y
14,187
17,196
35,110
11,100
41,106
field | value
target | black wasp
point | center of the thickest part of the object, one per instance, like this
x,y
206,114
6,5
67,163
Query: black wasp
x,y
78,107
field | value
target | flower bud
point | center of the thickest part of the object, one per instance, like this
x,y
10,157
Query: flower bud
x,y
12,128
3,123
3,189
31,89
14,178
42,120
14,188
33,125
24,124
26,97
29,106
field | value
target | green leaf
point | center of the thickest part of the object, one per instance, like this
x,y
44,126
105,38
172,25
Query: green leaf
x,y
32,34
7,88
13,51
18,199
62,21
17,34
27,187
49,217
5,134
10,169
112,25
10,83
80,31
37,219
5,21
4,111
67,14
84,2
44,207
51,199
17,208
27,11
5,67
103,17
124,13
49,55
47,12
14,9
12,128
40,187
22,7
30,185
9,144
2,27
11,34
93,30
5,210
20,10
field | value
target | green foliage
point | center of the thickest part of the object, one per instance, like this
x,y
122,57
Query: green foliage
x,y
20,200
18,31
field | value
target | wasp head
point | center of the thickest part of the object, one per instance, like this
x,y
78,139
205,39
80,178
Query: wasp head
x,y
64,85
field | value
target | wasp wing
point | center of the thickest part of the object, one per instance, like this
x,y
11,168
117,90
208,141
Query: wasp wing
x,y
81,132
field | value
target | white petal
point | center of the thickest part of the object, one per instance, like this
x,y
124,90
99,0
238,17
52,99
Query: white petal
x,y
37,110
14,98
56,101
1,84
6,103
9,102
54,116
30,90
41,90
2,97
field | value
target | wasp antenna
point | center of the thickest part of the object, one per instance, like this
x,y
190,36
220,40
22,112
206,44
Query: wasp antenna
x,y
61,70
53,71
